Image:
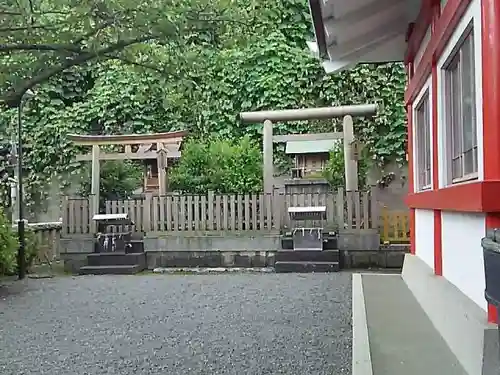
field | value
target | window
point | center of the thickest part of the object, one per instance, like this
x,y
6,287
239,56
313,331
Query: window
x,y
460,110
423,142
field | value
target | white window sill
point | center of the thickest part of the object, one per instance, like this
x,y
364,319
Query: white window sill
x,y
423,188
467,178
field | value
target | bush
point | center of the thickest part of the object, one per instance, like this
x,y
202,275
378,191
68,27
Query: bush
x,y
8,246
334,171
218,165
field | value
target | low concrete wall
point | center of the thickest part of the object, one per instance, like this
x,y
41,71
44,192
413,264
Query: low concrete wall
x,y
74,251
358,239
385,257
212,241
240,249
212,259
461,322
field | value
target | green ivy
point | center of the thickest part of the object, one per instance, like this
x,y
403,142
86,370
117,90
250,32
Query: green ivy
x,y
200,82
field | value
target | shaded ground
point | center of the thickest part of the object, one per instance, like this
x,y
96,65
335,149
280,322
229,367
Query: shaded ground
x,y
178,324
403,340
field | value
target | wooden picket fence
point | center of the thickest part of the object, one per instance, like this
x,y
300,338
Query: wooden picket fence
x,y
227,212
395,226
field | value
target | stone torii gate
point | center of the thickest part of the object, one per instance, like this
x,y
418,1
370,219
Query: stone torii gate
x,y
135,147
347,112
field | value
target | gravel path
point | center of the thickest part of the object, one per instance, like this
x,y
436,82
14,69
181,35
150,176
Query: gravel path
x,y
239,324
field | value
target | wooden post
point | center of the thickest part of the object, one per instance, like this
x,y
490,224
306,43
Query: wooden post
x,y
351,165
267,141
94,190
162,176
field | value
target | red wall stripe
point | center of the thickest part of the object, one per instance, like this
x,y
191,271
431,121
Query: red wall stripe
x,y
438,244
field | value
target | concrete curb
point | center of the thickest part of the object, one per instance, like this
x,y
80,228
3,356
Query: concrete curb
x,y
361,356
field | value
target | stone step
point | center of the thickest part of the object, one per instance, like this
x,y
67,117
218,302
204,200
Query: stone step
x,y
137,246
307,256
112,270
306,267
116,259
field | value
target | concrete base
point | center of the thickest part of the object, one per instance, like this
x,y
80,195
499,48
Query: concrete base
x,y
461,322
211,259
235,249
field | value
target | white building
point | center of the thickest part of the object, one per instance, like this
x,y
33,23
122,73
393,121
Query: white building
x,y
451,50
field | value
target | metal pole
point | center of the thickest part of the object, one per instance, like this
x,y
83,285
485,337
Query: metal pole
x,y
21,256
309,113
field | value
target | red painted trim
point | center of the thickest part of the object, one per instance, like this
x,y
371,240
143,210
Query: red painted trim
x,y
444,27
492,314
477,196
490,19
417,31
412,231
411,177
438,244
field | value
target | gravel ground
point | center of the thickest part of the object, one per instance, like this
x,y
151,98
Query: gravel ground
x,y
177,324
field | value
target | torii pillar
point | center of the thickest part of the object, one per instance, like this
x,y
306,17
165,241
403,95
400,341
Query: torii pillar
x,y
347,112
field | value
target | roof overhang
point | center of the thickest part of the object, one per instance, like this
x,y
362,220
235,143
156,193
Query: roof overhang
x,y
349,32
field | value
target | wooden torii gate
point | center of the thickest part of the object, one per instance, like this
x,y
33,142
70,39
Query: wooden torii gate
x,y
136,147
347,112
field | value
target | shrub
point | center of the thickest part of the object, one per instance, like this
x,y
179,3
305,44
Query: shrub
x,y
8,246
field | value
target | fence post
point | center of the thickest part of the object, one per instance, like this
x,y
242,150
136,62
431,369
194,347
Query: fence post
x,y
210,221
64,215
146,214
340,207
375,207
277,209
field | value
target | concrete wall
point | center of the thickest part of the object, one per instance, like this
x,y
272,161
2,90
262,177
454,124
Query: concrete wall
x,y
216,241
358,249
424,236
459,320
463,263
393,195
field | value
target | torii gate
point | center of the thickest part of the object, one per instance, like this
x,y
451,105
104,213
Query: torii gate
x,y
347,112
143,142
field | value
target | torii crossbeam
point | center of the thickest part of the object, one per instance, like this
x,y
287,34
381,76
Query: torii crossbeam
x,y
347,112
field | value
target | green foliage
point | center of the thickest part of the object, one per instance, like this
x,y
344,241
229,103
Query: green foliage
x,y
218,165
205,62
119,179
43,38
334,171
8,246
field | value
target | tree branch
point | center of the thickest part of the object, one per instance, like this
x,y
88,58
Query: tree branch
x,y
26,28
39,47
13,98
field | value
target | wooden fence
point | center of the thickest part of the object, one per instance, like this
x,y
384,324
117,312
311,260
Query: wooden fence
x,y
46,239
212,212
395,226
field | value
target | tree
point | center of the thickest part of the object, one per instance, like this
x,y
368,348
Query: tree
x,y
43,38
334,171
119,180
218,165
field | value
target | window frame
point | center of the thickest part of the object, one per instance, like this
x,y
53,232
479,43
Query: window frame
x,y
423,147
452,68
